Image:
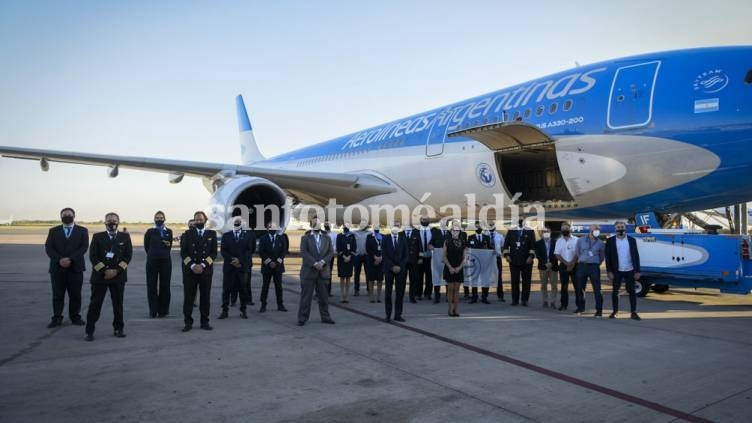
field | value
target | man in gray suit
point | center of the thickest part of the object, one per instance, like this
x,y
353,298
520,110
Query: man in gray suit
x,y
317,251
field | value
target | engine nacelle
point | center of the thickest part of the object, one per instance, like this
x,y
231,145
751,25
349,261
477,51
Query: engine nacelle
x,y
259,195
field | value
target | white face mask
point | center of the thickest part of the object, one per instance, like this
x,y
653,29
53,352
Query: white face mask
x,y
546,235
596,233
395,230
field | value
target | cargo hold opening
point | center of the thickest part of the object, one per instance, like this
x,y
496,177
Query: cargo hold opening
x,y
534,172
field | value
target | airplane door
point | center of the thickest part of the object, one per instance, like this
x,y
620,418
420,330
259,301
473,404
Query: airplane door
x,y
631,99
435,140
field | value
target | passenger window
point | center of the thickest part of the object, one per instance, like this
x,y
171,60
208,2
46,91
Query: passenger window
x,y
528,112
567,105
539,111
552,108
516,115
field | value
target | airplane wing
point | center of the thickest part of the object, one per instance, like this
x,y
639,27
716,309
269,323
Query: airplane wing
x,y
346,187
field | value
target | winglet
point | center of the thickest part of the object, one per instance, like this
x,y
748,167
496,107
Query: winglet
x,y
249,151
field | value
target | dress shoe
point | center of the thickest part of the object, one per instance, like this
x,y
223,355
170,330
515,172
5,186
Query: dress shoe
x,y
502,300
612,315
387,319
485,301
515,304
78,322
399,319
243,314
251,303
119,333
598,314
55,323
577,312
89,337
419,298
412,301
281,308
356,293
328,321
473,301
635,316
545,304
378,301
186,328
524,303
263,308
562,308
206,326
233,304
223,315
162,315
152,315
455,315
301,323
436,300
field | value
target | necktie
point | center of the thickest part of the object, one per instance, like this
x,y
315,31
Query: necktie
x,y
201,234
425,240
394,241
318,242
237,236
67,233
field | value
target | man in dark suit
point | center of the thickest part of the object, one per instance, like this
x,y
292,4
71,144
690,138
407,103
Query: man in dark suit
x,y
623,265
198,249
110,253
423,266
480,241
237,249
548,267
66,245
519,250
272,250
316,250
412,238
395,256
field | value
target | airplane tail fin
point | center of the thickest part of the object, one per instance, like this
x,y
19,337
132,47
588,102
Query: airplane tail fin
x,y
249,151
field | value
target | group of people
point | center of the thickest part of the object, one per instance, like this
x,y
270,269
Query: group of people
x,y
111,251
389,260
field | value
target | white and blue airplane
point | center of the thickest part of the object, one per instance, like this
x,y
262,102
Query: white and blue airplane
x,y
663,132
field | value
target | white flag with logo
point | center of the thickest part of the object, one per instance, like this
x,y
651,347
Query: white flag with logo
x,y
480,268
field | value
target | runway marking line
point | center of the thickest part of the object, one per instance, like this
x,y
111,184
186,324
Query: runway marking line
x,y
534,368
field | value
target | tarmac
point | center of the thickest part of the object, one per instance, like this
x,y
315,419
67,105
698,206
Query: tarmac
x,y
689,359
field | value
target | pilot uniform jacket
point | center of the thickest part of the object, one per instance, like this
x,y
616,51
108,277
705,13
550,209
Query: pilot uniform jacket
x,y
479,241
272,251
158,243
392,256
311,255
110,253
543,258
73,247
519,245
242,249
612,255
413,245
195,249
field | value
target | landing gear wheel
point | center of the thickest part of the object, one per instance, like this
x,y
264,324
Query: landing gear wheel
x,y
641,288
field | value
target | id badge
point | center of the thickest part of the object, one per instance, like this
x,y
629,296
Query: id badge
x,y
110,254
518,244
590,253
378,247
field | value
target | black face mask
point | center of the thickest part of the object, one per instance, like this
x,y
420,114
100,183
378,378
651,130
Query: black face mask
x,y
237,224
565,232
620,232
111,226
67,219
327,228
521,222
345,229
198,225
478,230
159,223
424,223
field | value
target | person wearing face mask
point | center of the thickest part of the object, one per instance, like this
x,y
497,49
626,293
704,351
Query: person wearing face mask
x,y
316,250
519,250
497,240
237,248
623,265
333,237
345,254
198,251
565,252
158,243
110,253
480,241
423,272
272,250
454,255
590,253
374,264
66,245
412,237
548,267
395,254
359,262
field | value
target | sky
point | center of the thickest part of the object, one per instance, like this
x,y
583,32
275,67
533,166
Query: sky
x,y
158,79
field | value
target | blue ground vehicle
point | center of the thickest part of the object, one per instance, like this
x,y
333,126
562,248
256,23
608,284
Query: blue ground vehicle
x,y
695,260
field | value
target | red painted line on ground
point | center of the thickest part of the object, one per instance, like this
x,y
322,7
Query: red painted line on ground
x,y
538,369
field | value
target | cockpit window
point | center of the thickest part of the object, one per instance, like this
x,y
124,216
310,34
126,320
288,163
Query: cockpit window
x,y
748,78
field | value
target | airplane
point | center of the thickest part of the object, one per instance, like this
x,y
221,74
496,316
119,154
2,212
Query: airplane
x,y
8,221
657,133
